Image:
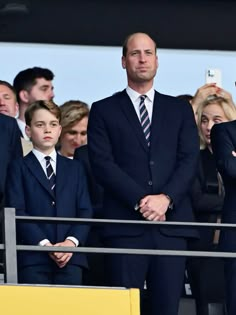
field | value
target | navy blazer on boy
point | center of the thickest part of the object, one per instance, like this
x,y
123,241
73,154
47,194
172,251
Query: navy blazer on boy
x,y
29,192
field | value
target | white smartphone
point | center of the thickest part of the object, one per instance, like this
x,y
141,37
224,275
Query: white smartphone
x,y
214,76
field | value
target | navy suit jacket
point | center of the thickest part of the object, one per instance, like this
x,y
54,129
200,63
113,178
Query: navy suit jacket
x,y
95,190
128,169
29,192
10,148
223,140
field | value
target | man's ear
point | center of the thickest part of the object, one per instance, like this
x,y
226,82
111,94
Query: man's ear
x,y
24,96
123,62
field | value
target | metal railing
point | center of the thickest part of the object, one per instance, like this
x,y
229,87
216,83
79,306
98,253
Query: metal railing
x,y
10,247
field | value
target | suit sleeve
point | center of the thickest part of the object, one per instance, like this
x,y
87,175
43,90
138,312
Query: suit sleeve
x,y
204,202
16,147
186,158
223,144
29,233
107,172
84,208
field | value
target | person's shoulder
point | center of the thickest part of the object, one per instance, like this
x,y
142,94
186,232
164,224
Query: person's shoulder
x,y
171,100
81,151
228,125
7,120
67,162
110,99
18,163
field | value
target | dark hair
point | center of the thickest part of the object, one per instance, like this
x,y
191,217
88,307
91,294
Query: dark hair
x,y
5,83
48,105
26,79
124,47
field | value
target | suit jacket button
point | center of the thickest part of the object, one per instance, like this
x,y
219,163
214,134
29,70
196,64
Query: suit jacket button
x,y
151,162
150,183
53,203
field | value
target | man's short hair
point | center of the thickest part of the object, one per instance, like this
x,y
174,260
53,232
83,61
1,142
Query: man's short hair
x,y
126,41
7,84
26,79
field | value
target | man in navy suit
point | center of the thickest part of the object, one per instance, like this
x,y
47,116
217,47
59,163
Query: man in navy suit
x,y
44,183
10,148
143,149
223,140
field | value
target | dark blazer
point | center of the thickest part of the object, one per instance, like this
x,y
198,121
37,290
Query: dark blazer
x,y
95,190
10,148
223,139
207,203
29,192
128,169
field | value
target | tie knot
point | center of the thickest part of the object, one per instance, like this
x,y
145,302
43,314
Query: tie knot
x,y
47,158
142,98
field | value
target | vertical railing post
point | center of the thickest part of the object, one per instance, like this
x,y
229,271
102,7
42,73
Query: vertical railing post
x,y
9,233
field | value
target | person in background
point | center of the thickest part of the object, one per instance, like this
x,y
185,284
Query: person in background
x,y
207,194
207,91
9,107
10,150
31,85
74,122
223,140
8,102
44,183
143,150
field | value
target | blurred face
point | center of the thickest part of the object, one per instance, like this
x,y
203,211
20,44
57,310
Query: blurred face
x,y
42,90
44,131
140,61
74,137
8,104
212,114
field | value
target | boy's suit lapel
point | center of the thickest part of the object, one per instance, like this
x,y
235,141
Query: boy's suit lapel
x,y
36,170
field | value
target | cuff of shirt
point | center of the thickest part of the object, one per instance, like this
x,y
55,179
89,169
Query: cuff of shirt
x,y
44,242
74,240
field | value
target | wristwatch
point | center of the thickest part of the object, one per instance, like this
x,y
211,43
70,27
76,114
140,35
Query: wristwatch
x,y
171,204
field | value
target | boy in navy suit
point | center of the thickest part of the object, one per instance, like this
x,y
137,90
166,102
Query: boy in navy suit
x,y
44,183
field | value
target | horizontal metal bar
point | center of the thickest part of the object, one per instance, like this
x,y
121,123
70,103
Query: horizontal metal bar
x,y
101,221
130,251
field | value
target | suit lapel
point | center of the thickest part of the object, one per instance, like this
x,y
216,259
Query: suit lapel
x,y
131,115
158,121
62,174
36,170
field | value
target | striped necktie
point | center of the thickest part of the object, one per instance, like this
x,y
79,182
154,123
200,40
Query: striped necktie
x,y
50,174
144,119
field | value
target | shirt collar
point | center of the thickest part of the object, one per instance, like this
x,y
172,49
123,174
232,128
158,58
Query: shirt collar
x,y
40,156
134,95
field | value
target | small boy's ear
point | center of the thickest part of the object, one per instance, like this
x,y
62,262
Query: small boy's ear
x,y
28,131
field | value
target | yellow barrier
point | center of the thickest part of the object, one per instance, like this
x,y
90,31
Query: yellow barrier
x,y
43,300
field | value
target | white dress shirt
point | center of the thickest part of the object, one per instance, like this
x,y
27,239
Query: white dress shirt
x,y
22,125
135,99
